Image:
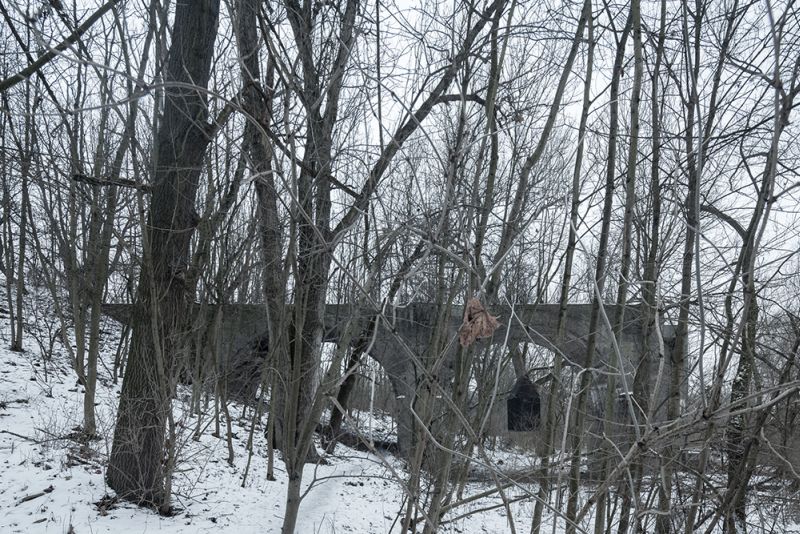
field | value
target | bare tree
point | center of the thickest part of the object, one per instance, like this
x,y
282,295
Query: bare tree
x,y
136,470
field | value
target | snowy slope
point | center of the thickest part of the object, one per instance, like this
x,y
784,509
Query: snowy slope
x,y
50,483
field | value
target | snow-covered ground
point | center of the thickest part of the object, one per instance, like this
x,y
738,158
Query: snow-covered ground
x,y
50,483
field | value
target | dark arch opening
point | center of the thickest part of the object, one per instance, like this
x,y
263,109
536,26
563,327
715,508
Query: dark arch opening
x,y
523,406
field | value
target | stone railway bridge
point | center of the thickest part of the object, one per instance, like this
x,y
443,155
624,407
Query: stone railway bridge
x,y
404,334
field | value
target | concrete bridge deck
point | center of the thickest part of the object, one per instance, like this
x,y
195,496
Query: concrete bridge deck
x,y
242,323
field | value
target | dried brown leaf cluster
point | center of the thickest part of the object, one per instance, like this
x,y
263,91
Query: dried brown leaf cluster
x,y
477,323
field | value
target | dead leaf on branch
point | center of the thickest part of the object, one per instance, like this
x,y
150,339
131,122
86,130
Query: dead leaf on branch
x,y
478,323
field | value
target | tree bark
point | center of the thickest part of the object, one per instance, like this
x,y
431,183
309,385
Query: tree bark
x,y
650,315
550,420
136,469
599,281
611,417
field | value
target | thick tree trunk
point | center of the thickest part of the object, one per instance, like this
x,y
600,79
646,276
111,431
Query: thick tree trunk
x,y
135,468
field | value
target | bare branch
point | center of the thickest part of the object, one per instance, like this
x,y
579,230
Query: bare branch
x,y
51,54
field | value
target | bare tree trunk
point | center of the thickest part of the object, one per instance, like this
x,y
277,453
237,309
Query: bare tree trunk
x,y
25,146
650,314
463,357
578,421
257,102
135,467
101,248
612,399
743,430
712,404
16,343
550,423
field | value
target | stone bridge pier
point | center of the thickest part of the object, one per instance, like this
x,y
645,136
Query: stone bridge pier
x,y
404,335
